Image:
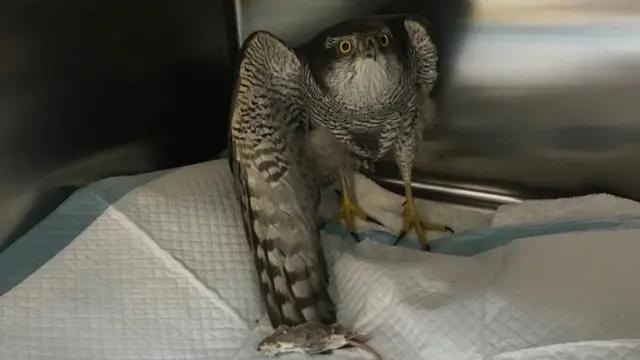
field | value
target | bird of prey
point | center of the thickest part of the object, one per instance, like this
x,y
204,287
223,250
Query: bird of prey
x,y
352,93
368,81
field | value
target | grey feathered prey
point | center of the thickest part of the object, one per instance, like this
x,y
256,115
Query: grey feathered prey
x,y
313,338
351,94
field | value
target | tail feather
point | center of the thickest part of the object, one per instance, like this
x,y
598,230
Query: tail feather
x,y
293,290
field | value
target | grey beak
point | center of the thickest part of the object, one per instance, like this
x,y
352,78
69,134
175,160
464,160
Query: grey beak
x,y
370,48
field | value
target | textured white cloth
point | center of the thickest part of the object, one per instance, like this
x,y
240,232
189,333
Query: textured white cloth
x,y
165,273
596,206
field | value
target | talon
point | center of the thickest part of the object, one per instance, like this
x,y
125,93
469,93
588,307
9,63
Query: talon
x,y
400,237
367,217
370,219
347,211
412,221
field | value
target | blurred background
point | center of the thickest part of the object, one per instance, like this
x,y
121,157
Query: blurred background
x,y
536,98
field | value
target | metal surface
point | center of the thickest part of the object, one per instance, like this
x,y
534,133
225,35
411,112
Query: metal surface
x,y
539,98
543,94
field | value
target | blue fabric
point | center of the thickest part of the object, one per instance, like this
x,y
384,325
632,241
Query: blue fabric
x,y
56,231
473,242
80,210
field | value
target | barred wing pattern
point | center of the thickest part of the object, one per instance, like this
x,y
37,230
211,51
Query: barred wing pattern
x,y
276,194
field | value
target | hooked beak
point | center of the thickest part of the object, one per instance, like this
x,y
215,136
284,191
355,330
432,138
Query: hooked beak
x,y
370,50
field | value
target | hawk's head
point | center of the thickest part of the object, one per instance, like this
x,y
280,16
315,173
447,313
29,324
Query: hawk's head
x,y
360,62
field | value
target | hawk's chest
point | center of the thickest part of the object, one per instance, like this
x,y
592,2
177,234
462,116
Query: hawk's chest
x,y
368,132
372,136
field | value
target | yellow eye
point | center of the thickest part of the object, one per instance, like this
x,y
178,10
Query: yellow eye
x,y
384,40
345,46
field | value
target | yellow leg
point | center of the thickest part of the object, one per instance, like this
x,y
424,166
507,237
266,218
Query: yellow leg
x,y
412,220
348,209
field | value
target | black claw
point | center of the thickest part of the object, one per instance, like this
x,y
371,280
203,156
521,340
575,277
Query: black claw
x,y
370,219
402,234
448,229
355,236
322,226
426,247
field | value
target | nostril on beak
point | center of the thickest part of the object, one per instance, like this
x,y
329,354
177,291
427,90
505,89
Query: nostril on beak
x,y
370,47
371,44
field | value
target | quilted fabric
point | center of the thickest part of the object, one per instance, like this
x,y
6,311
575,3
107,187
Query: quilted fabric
x,y
164,272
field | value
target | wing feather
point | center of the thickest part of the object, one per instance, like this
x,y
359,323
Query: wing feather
x,y
423,54
276,195
423,58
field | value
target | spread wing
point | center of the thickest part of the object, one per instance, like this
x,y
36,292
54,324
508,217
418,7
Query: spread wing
x,y
276,195
423,59
423,55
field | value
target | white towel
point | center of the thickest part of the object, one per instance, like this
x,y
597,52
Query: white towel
x,y
164,272
596,206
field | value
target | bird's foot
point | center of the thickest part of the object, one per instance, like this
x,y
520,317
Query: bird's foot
x,y
413,221
348,209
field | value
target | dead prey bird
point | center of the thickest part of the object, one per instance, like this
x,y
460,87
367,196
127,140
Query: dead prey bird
x,y
312,338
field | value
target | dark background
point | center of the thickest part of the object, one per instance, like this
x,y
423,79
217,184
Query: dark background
x,y
90,89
